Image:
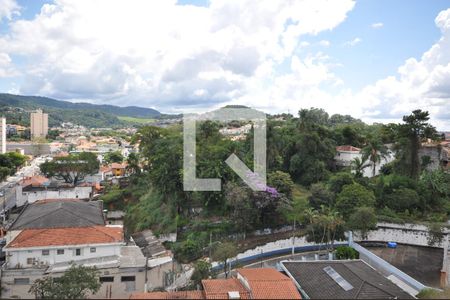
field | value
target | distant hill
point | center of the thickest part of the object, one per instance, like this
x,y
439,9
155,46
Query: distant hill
x,y
16,108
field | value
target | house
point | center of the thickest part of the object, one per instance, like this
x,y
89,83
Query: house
x,y
118,170
49,235
47,246
35,253
58,213
345,154
34,192
263,283
341,279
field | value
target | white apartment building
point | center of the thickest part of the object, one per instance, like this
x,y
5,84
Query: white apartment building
x,y
49,246
38,124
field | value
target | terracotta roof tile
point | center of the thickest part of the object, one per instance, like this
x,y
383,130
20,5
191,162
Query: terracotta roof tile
x,y
219,288
66,236
169,295
118,166
266,283
347,148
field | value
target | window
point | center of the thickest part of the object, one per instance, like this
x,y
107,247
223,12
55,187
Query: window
x,y
30,260
107,279
60,251
45,252
21,281
93,250
77,252
130,283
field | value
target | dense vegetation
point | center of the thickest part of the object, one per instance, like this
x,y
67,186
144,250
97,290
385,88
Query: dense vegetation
x,y
16,109
9,163
300,152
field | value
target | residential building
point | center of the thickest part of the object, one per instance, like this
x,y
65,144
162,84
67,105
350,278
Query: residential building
x,y
119,170
261,283
341,279
345,154
3,135
32,193
49,235
48,246
58,214
38,124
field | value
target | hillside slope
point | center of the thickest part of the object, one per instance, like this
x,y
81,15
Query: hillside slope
x,y
16,109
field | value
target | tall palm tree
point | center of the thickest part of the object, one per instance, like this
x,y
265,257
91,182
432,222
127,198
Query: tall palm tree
x,y
358,165
374,151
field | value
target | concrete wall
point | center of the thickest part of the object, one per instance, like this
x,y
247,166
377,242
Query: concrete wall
x,y
18,258
411,234
79,192
117,289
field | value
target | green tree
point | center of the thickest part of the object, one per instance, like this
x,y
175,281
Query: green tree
x,y
223,252
282,182
353,196
363,220
374,151
358,165
73,168
75,283
320,196
402,199
338,180
113,157
202,270
133,163
415,129
243,213
4,173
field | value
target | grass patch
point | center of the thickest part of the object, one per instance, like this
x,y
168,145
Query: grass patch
x,y
136,120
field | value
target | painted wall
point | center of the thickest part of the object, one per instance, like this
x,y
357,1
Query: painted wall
x,y
79,192
19,258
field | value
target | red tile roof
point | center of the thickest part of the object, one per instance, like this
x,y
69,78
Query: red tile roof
x,y
169,295
219,288
118,166
67,236
266,283
347,148
34,181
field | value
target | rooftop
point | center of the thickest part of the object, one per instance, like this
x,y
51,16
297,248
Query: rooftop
x,y
59,213
66,236
347,148
263,283
219,288
343,279
269,284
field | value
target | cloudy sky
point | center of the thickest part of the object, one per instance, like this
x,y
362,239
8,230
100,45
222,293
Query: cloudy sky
x,y
374,59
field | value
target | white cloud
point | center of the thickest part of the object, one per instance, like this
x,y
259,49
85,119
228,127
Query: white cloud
x,y
423,83
162,54
324,43
6,66
377,25
8,8
353,42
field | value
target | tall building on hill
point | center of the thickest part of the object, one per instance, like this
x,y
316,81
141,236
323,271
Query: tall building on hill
x,y
39,124
2,135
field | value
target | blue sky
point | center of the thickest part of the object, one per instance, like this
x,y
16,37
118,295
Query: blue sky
x,y
198,55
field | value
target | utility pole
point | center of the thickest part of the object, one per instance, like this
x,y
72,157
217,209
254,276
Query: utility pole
x,y
146,270
210,246
293,241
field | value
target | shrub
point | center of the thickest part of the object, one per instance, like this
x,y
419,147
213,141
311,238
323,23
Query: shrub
x,y
346,252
